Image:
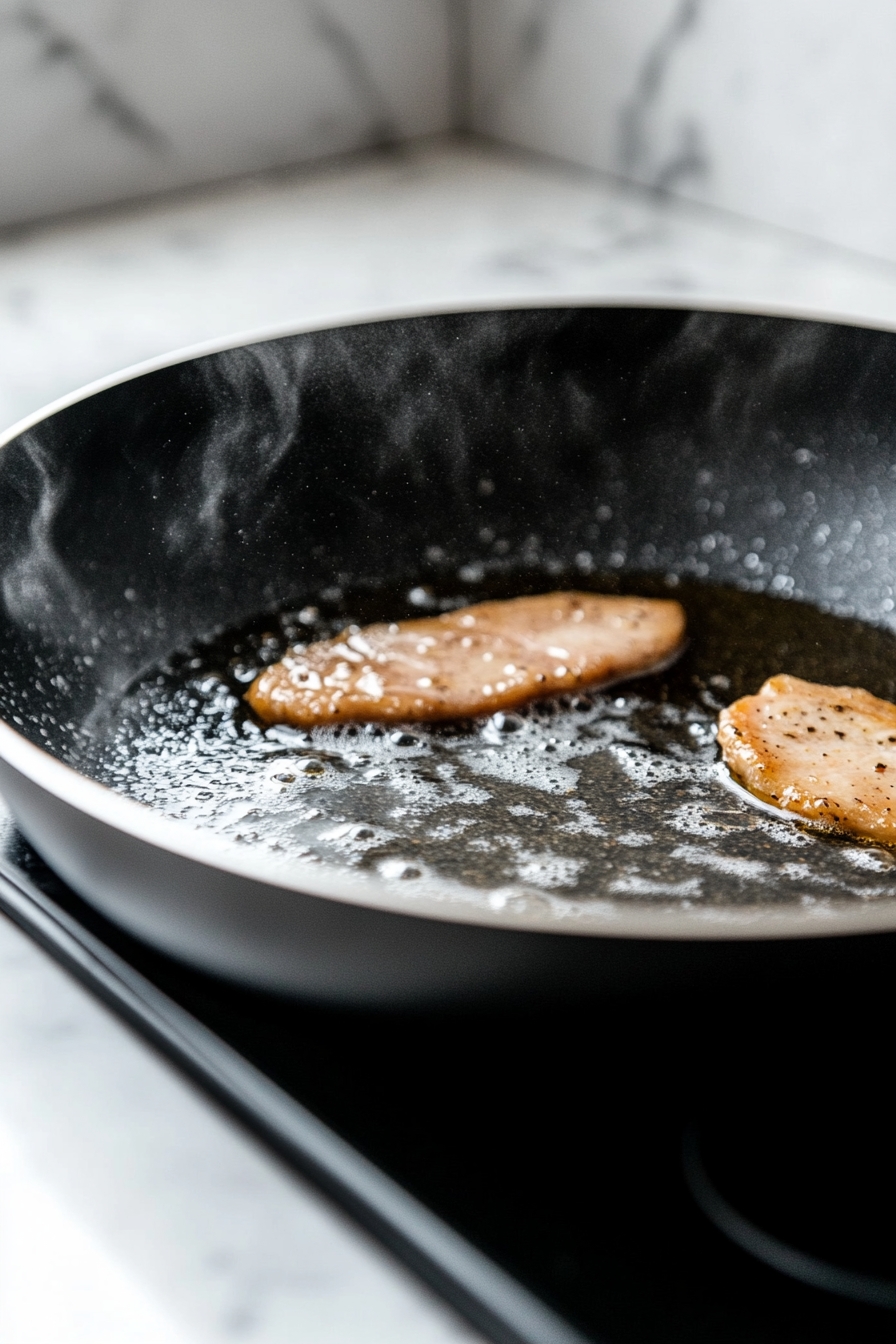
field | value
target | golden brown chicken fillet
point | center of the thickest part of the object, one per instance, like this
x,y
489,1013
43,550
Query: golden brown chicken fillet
x,y
827,753
496,655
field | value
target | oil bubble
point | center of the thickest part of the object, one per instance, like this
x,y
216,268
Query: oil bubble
x,y
310,766
399,870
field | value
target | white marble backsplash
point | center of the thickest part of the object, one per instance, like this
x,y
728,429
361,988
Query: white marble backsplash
x,y
780,110
104,99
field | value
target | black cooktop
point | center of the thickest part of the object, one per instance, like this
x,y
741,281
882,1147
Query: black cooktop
x,y
627,1170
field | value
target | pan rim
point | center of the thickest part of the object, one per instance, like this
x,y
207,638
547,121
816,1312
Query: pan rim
x,y
692,302
441,900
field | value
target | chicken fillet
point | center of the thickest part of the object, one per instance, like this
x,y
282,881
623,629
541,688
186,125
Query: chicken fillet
x,y
826,753
496,655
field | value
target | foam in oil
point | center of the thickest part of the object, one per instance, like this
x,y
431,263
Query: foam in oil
x,y
614,795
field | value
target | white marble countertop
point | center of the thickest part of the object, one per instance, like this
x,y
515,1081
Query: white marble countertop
x,y
131,1209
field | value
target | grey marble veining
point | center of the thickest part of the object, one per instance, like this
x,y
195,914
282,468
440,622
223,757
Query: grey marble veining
x,y
102,99
780,110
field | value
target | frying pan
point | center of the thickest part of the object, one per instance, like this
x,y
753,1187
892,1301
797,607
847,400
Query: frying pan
x,y
176,500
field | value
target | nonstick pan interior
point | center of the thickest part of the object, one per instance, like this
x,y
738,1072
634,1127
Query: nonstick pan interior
x,y
450,455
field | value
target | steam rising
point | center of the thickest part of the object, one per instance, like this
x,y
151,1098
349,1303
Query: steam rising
x,y
256,395
37,585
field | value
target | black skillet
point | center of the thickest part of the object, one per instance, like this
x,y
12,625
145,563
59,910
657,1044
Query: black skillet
x,y
727,458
